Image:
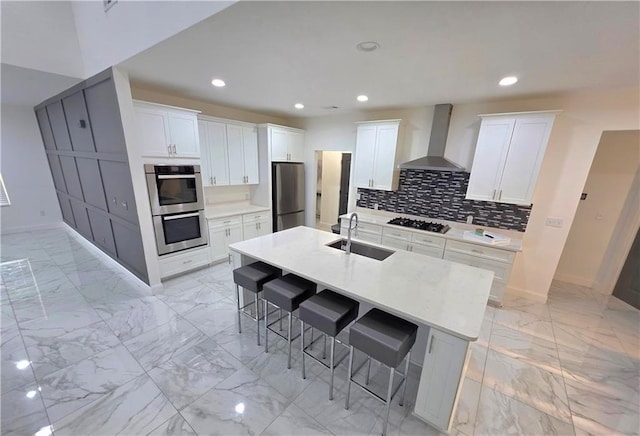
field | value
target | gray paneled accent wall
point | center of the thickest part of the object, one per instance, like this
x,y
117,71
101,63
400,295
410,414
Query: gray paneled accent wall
x,y
441,195
83,137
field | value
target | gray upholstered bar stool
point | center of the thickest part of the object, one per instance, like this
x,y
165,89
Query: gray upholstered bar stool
x,y
252,277
330,313
387,339
286,293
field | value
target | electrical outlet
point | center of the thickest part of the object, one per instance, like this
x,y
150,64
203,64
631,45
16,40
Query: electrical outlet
x,y
469,219
554,222
375,206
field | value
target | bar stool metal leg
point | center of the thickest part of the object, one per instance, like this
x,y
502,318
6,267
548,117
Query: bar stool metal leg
x,y
333,349
392,372
280,316
324,350
311,344
289,340
366,382
406,373
257,318
266,326
304,376
238,302
346,402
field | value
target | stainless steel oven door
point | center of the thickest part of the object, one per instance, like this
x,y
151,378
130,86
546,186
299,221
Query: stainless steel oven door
x,y
175,193
181,231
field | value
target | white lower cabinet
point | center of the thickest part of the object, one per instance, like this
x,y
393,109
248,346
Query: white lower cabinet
x,y
254,225
222,232
441,378
364,232
172,264
413,242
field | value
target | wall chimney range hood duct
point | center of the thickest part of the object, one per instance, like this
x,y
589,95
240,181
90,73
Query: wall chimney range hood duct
x,y
434,160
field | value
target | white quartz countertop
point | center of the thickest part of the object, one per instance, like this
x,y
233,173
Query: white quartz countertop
x,y
225,210
456,232
449,296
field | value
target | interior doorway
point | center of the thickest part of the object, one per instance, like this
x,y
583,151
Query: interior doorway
x,y
332,187
628,285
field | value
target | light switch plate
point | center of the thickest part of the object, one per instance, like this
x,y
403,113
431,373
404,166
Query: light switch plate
x,y
554,222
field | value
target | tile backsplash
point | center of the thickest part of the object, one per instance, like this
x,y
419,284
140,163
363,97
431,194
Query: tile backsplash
x,y
440,195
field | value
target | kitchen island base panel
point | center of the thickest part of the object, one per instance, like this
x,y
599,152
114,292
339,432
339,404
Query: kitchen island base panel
x,y
446,362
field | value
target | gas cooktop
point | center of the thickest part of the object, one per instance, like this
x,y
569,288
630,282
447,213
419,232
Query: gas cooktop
x,y
420,225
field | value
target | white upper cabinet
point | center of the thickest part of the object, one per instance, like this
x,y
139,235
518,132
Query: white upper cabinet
x,y
213,144
508,156
378,150
165,131
287,145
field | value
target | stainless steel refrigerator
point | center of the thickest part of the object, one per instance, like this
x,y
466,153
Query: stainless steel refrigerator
x,y
288,195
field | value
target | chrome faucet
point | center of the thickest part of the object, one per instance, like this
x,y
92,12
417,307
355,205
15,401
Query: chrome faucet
x,y
347,248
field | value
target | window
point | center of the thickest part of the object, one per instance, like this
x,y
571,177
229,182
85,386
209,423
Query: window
x,y
4,197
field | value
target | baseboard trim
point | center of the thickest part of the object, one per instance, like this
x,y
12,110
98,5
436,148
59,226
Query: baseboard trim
x,y
568,278
528,294
13,230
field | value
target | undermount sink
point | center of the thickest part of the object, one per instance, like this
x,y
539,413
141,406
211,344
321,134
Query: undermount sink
x,y
362,249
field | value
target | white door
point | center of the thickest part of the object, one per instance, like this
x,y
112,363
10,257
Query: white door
x,y
279,145
183,129
384,165
365,153
296,147
153,132
217,240
205,151
236,155
217,135
489,159
250,154
526,151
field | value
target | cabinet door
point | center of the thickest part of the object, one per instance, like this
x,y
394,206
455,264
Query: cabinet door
x,y
218,159
67,213
45,129
82,219
59,126
217,239
365,154
183,131
279,145
234,235
436,252
205,151
296,147
92,189
153,132
102,233
264,228
489,159
385,156
118,189
56,172
75,112
526,151
104,113
236,155
250,230
395,243
441,378
250,154
71,177
129,246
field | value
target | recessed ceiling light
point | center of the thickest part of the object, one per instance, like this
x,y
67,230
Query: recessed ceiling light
x,y
508,81
362,98
218,83
298,106
368,46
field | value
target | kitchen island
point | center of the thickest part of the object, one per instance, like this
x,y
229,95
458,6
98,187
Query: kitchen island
x,y
447,300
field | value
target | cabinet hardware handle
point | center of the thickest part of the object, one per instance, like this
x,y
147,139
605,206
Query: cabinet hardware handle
x,y
211,180
169,149
259,226
431,344
500,195
493,197
214,181
174,149
476,251
125,205
227,222
115,200
229,257
187,261
83,124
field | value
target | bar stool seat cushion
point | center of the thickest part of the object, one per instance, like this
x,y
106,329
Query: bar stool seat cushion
x,y
253,276
384,337
287,292
329,312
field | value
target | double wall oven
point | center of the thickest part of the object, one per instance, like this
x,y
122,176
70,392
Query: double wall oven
x,y
177,206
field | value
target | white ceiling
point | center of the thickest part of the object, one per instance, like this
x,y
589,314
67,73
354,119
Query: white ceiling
x,y
274,54
24,86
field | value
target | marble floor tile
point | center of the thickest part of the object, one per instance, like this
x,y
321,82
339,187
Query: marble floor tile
x,y
174,426
118,289
598,413
184,300
22,412
524,304
163,343
294,421
243,345
625,321
136,407
465,417
214,318
75,386
499,414
477,361
585,339
57,324
131,318
519,345
44,305
530,384
15,370
485,332
630,344
188,375
525,322
242,404
52,354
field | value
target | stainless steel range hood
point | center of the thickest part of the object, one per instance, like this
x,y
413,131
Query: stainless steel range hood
x,y
434,160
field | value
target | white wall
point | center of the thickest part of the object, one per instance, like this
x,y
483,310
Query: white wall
x,y
26,173
614,167
571,148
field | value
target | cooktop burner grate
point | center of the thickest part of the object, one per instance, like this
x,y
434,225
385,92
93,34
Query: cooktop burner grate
x,y
420,225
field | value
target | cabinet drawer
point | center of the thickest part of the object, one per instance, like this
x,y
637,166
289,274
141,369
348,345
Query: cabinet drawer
x,y
184,261
501,269
395,243
427,250
230,221
362,227
259,217
397,234
481,251
369,237
429,240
